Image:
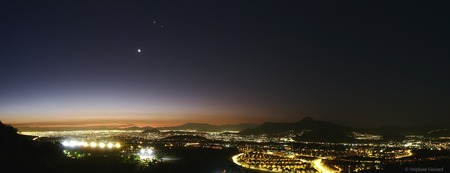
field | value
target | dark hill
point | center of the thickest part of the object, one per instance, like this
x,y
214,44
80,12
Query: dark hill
x,y
151,130
20,154
305,124
402,130
439,133
310,129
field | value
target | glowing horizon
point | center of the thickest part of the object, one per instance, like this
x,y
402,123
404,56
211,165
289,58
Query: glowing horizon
x,y
86,66
113,124
119,120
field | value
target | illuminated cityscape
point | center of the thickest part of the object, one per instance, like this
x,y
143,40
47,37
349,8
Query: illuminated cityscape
x,y
243,86
367,153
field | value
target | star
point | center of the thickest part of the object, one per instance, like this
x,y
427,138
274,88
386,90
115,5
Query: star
x,y
139,50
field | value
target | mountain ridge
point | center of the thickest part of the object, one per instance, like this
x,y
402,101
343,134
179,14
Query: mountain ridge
x,y
309,129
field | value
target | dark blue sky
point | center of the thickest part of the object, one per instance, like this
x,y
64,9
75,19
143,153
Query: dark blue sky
x,y
357,63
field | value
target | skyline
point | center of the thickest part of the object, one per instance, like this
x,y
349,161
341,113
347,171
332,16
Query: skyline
x,y
161,63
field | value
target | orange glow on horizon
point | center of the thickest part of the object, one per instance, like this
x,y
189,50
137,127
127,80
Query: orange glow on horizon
x,y
118,123
124,120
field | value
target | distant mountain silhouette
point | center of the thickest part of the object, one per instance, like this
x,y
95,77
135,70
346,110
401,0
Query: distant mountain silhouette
x,y
439,133
312,130
403,130
136,128
146,128
305,124
151,130
208,127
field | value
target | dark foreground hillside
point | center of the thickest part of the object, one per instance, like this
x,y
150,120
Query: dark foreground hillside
x,y
22,154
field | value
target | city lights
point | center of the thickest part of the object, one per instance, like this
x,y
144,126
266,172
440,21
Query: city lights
x,y
268,154
92,144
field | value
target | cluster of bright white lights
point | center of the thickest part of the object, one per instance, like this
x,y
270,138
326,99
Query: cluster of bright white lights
x,y
73,143
148,151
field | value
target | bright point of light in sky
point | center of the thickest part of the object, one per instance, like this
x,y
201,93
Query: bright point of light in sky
x,y
139,50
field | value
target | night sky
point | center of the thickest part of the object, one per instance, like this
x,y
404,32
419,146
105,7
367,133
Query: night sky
x,y
356,63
